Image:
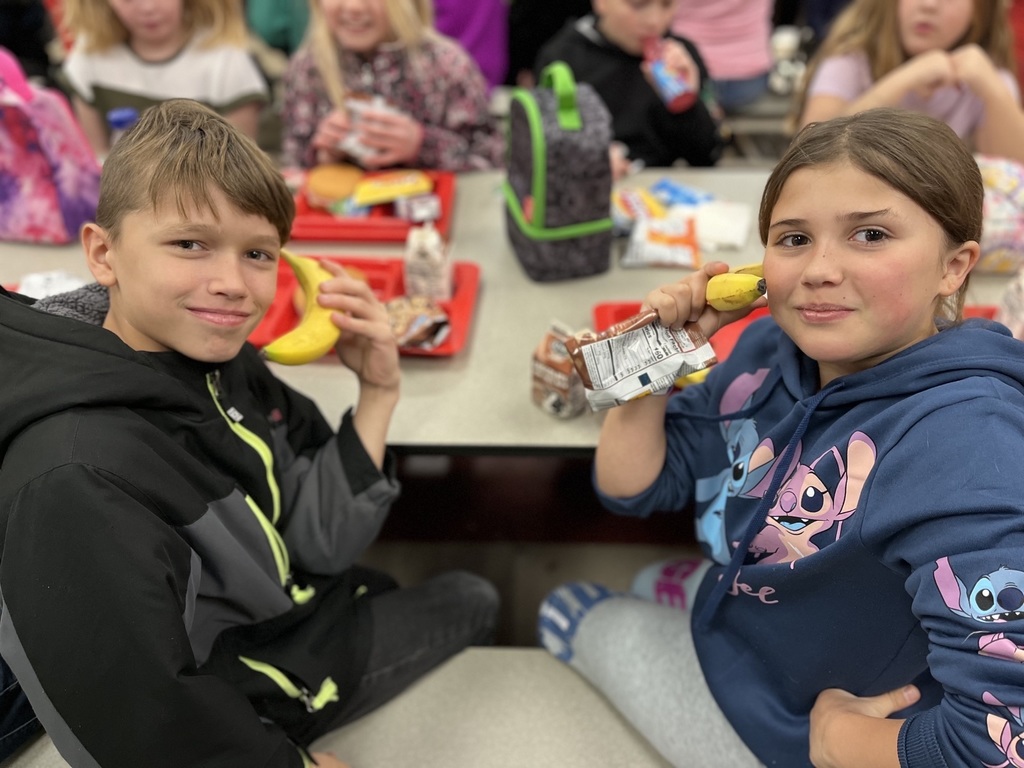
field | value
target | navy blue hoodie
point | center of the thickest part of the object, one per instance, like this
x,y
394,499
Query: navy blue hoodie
x,y
866,535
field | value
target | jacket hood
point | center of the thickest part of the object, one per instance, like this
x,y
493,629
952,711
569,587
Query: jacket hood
x,y
974,347
586,26
58,357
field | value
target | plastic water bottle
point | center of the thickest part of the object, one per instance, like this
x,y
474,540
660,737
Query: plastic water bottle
x,y
120,120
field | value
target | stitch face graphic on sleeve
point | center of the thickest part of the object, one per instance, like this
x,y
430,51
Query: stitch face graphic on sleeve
x,y
814,498
995,598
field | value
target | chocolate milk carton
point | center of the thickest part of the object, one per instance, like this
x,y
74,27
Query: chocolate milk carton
x,y
557,387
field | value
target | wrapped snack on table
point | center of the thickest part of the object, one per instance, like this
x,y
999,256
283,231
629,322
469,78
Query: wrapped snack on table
x,y
1002,238
388,186
416,321
419,208
557,388
670,241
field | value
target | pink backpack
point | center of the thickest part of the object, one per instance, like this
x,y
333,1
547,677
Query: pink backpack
x,y
49,176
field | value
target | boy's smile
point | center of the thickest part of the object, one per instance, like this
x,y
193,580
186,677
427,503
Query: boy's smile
x,y
855,275
196,284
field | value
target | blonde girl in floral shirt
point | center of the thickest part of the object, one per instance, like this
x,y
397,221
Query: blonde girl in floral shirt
x,y
437,115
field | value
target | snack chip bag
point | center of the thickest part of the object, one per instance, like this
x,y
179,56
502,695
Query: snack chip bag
x,y
388,186
670,241
637,357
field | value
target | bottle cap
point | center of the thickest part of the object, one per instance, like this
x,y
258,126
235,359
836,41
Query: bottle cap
x,y
122,118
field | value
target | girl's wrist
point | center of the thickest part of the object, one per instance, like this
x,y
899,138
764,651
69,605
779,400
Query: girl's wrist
x,y
417,146
324,155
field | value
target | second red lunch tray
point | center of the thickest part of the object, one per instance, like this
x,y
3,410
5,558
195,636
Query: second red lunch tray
x,y
381,225
609,313
386,278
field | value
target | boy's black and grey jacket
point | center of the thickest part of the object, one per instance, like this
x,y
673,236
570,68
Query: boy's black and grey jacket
x,y
177,542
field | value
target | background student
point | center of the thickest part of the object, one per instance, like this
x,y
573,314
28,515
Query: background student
x,y
734,39
181,528
862,607
130,54
481,27
606,50
952,60
438,106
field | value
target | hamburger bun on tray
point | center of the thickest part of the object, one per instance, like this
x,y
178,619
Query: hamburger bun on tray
x,y
330,183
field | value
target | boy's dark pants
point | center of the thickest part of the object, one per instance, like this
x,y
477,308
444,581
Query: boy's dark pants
x,y
416,629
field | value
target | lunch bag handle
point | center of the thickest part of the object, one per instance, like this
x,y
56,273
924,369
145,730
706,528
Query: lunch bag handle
x,y
559,78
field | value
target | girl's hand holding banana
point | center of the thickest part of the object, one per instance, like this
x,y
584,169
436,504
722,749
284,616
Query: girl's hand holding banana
x,y
711,296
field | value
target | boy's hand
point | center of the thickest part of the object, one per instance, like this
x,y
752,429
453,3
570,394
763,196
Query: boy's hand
x,y
685,301
618,158
367,345
678,59
327,760
395,136
331,131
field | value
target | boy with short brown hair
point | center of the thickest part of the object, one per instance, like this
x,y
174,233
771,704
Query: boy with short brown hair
x,y
180,528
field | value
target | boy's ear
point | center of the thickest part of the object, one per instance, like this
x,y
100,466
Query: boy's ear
x,y
959,265
98,247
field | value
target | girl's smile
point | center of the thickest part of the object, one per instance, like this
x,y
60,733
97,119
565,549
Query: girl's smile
x,y
359,26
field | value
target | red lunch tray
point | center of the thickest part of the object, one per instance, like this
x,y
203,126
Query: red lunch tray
x,y
386,278
609,313
380,226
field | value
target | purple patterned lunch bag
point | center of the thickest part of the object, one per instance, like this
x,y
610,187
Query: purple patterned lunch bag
x,y
559,181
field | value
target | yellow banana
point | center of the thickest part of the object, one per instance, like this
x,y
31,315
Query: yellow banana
x,y
316,334
734,290
693,378
751,269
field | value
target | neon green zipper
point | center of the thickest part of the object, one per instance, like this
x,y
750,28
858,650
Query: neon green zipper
x,y
327,694
279,549
253,441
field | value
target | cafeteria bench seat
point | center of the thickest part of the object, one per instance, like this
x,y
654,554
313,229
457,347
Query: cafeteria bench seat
x,y
485,708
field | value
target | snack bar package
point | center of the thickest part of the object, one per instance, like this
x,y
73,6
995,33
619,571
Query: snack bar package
x,y
417,322
557,388
636,357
